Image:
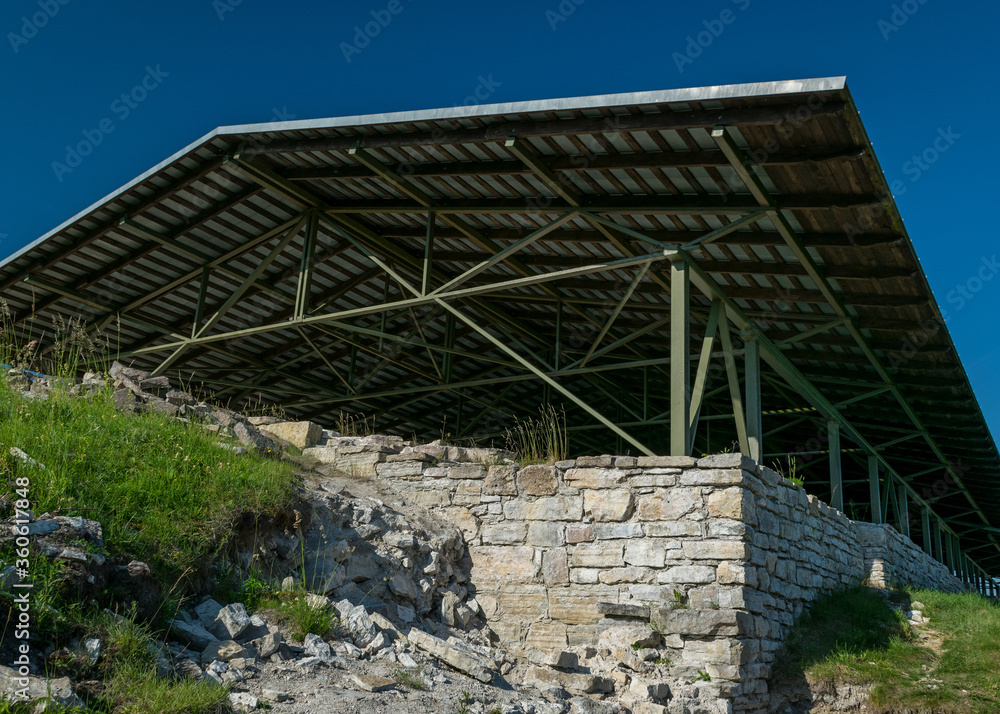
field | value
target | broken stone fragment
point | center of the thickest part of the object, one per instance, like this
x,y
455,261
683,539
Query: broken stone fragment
x,y
407,661
267,645
242,701
559,659
357,622
37,689
399,539
586,705
232,620
463,616
473,665
645,689
385,625
369,683
378,644
572,682
316,646
223,651
250,437
72,554
402,585
91,530
207,612
187,669
302,434
24,458
449,601
36,528
192,632
179,398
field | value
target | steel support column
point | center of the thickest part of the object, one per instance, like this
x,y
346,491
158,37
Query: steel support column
x,y
701,375
925,522
199,309
951,551
903,510
425,283
755,420
303,287
680,348
733,378
836,474
873,489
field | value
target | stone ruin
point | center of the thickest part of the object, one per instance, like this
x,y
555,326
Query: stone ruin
x,y
660,585
680,576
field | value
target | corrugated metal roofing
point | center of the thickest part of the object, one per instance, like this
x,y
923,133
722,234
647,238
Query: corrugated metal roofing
x,y
645,171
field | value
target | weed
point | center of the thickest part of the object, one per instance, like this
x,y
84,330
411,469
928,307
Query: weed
x,y
138,688
789,470
349,424
256,406
408,679
444,435
464,704
256,591
540,439
302,614
702,677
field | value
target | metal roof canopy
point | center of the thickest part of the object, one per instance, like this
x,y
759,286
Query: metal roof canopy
x,y
444,270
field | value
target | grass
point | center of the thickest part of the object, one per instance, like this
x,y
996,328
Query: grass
x,y
128,681
410,680
541,439
138,690
294,610
349,424
855,637
165,493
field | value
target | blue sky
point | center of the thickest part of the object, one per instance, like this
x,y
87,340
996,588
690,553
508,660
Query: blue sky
x,y
921,71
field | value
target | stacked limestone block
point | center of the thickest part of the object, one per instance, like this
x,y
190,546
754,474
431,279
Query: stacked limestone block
x,y
890,561
721,553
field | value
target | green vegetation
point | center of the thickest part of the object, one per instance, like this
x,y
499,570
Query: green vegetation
x,y
127,666
789,470
464,704
302,615
408,679
165,492
951,667
349,424
541,439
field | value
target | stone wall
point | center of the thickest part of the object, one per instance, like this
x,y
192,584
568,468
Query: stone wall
x,y
718,553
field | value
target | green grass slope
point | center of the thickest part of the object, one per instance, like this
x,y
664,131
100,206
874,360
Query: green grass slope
x,y
165,492
949,666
